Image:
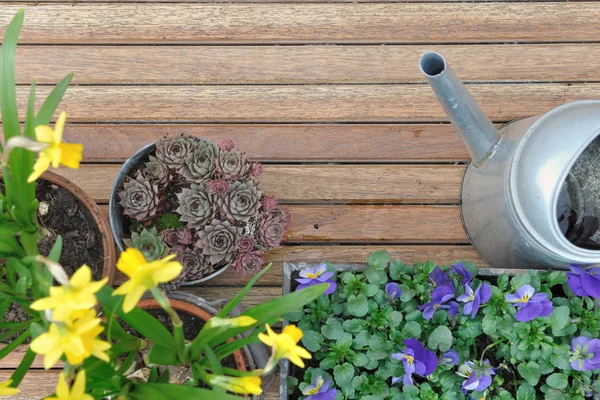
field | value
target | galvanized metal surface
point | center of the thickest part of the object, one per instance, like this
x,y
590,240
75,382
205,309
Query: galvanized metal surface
x,y
511,193
114,213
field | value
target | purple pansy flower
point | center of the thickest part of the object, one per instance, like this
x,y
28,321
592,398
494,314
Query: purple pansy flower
x,y
585,353
416,359
319,390
450,357
440,296
584,281
479,377
460,269
392,291
473,300
316,276
530,305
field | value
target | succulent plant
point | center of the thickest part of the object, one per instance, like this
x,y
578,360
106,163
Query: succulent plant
x,y
194,264
168,221
248,262
199,164
270,203
195,206
270,230
245,244
218,241
219,186
174,151
242,202
139,197
226,144
156,171
233,165
149,243
257,169
184,236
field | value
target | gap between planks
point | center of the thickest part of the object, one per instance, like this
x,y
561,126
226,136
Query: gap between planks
x,y
305,23
310,103
302,64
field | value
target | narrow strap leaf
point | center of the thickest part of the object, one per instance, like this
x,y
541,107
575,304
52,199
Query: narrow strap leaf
x,y
8,93
236,300
44,115
23,367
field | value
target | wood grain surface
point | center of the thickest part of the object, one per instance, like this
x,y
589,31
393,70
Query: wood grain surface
x,y
387,184
310,103
81,23
303,64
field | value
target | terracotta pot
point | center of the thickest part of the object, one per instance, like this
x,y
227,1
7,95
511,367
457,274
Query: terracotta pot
x,y
108,247
192,309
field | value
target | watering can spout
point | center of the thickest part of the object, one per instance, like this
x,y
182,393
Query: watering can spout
x,y
475,128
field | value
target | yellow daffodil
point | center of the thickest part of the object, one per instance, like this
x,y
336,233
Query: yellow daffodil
x,y
77,295
6,390
56,153
76,392
231,322
143,275
284,345
76,341
237,384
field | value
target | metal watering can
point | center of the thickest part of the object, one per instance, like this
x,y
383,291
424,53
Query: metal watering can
x,y
530,198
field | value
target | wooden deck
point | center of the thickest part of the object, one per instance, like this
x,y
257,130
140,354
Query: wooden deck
x,y
328,95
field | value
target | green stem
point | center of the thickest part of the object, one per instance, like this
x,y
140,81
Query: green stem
x,y
160,297
497,342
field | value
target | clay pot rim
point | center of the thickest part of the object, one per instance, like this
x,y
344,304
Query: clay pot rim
x,y
183,306
110,255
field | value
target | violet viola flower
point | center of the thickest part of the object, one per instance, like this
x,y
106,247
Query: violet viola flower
x,y
416,359
319,390
584,281
479,377
450,357
585,353
530,305
466,275
316,276
440,296
473,300
392,291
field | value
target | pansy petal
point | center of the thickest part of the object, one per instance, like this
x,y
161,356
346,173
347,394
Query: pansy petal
x,y
331,288
590,285
574,282
529,312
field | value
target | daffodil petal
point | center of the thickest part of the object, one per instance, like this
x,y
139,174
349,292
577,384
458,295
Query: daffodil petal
x,y
52,357
130,261
78,388
45,303
41,165
167,272
81,277
44,134
294,332
71,154
125,288
132,298
59,127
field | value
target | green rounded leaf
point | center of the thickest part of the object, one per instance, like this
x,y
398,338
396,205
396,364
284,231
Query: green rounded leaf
x,y
379,259
558,381
441,338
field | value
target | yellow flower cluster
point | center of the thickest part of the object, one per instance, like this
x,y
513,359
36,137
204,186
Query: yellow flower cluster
x,y
75,327
77,391
284,345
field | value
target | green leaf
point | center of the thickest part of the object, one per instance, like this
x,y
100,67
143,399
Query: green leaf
x,y
353,325
361,340
412,329
312,341
46,111
397,269
441,338
165,391
238,298
139,320
161,355
343,374
360,360
370,290
6,350
379,259
8,93
395,319
558,380
332,329
56,250
530,371
358,305
526,392
559,319
23,367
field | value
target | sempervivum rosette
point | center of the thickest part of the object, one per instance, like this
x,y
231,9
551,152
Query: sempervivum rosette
x,y
242,202
174,151
139,198
218,241
195,206
202,202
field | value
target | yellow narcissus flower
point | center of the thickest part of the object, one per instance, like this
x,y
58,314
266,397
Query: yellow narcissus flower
x,y
284,345
231,322
77,341
77,295
237,384
143,275
6,390
76,392
67,154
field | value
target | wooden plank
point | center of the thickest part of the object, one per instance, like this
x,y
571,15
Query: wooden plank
x,y
270,143
302,64
373,224
389,184
329,103
305,23
278,1
13,359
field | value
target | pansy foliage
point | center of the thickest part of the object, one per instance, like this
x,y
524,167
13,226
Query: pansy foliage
x,y
428,331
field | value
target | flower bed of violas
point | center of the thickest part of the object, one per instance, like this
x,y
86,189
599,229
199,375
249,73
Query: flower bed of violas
x,y
404,332
200,201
